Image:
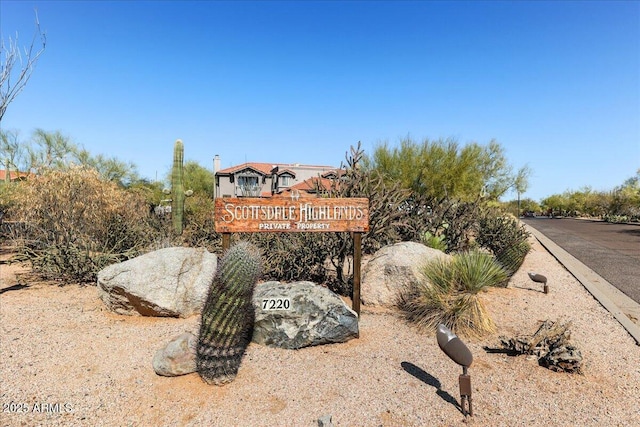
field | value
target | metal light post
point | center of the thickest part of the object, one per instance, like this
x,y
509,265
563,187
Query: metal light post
x,y
457,351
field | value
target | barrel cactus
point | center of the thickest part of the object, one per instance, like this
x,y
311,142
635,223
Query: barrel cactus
x,y
228,315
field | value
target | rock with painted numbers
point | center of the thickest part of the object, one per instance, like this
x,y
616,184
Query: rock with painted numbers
x,y
301,314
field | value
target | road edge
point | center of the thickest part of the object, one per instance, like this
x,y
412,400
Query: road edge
x,y
613,300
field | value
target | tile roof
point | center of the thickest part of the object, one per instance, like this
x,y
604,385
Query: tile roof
x,y
311,184
266,168
13,175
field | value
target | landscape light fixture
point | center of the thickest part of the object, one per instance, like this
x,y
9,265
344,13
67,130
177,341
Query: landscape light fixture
x,y
457,351
539,278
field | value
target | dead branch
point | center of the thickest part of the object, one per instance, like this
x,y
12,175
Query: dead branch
x,y
11,56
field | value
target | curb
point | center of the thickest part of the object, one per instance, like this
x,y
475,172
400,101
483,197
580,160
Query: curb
x,y
623,308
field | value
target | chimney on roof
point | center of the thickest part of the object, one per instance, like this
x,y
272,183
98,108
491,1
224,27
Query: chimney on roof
x,y
216,164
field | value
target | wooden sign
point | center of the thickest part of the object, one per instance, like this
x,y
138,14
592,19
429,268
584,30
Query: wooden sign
x,y
247,214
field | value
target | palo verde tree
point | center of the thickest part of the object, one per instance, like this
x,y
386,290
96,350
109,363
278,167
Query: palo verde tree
x,y
12,153
18,65
444,169
53,150
521,184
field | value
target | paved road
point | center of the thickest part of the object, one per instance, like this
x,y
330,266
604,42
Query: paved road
x,y
611,250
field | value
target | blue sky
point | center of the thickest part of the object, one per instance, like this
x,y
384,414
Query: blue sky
x,y
557,84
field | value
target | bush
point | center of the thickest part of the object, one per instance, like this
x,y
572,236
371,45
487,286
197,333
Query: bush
x,y
435,242
386,217
292,256
449,294
512,257
8,192
199,228
76,224
505,237
452,221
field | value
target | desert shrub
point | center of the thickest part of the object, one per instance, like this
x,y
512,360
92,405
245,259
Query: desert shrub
x,y
386,217
386,200
512,257
449,294
8,191
505,237
76,224
199,228
292,256
616,219
497,231
452,221
434,241
460,218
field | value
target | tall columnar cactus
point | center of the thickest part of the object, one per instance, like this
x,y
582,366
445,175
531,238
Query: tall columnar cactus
x,y
228,315
177,187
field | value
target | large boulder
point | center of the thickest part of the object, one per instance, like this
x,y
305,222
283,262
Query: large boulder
x,y
170,282
301,314
391,269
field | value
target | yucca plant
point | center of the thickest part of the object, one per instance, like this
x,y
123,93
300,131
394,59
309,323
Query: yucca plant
x,y
449,294
475,271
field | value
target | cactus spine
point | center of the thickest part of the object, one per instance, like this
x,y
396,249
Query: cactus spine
x,y
177,187
228,315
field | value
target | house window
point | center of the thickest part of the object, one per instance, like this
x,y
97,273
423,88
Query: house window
x,y
285,181
247,181
248,186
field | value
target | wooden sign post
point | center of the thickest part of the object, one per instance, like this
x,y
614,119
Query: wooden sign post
x,y
254,215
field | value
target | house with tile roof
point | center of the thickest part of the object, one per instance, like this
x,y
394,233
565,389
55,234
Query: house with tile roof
x,y
269,179
12,175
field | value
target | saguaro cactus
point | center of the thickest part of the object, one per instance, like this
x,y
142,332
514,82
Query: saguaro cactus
x,y
228,315
177,187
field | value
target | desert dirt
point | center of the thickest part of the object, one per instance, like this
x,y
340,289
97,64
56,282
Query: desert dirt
x,y
67,361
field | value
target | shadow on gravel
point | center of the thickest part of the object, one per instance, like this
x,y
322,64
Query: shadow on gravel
x,y
429,379
630,232
13,288
528,288
499,350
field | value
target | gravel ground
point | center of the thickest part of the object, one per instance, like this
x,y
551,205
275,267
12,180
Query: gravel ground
x,y
66,361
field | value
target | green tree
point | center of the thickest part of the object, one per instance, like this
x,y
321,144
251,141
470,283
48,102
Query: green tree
x,y
444,169
521,183
625,199
12,152
555,204
55,151
50,150
525,205
198,178
109,168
